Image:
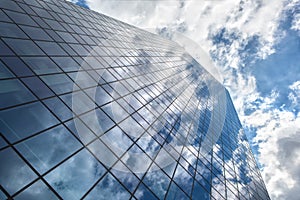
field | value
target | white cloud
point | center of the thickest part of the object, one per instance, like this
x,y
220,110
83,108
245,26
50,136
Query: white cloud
x,y
278,134
140,13
279,149
203,19
200,17
294,95
296,22
295,87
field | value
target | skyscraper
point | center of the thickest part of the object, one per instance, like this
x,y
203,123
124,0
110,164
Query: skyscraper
x,y
93,108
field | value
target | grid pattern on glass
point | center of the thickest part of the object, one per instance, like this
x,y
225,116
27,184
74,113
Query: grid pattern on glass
x,y
151,101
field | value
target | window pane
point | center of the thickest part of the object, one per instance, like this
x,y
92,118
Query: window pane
x,y
80,50
14,173
100,97
49,148
41,65
4,72
199,192
67,64
20,18
81,102
8,4
11,30
78,38
40,22
13,92
2,142
67,37
32,2
54,35
73,178
158,182
23,121
38,87
143,193
59,108
23,47
68,49
88,40
54,25
3,17
83,79
26,8
88,135
59,83
36,33
36,191
108,188
51,48
41,12
4,50
103,153
17,66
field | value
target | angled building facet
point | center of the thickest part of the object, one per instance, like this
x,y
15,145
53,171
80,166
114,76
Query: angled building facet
x,y
94,108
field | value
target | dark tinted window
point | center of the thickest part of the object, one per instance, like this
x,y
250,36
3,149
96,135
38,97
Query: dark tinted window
x,y
11,30
13,92
17,66
36,33
24,47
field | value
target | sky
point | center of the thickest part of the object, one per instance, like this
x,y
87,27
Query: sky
x,y
255,45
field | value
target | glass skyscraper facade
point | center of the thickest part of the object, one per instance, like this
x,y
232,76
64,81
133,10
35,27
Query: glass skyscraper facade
x,y
93,108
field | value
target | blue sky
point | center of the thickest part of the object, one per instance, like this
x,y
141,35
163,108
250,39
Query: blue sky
x,y
281,69
256,46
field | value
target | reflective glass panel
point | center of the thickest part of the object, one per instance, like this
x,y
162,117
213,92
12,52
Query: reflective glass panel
x,y
22,121
21,18
14,173
59,108
38,87
77,174
37,191
59,83
11,30
51,48
108,188
48,148
36,33
4,72
16,65
4,50
41,65
24,47
13,92
67,64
